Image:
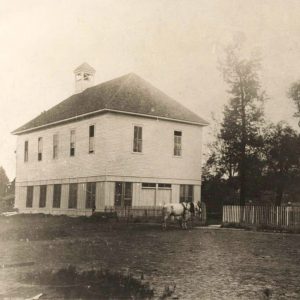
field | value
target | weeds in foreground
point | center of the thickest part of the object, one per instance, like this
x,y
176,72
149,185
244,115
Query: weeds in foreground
x,y
95,284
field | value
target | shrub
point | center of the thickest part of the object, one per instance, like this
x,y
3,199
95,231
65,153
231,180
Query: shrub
x,y
93,284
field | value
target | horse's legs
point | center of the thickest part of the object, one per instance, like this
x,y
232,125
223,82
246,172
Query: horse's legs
x,y
164,223
180,223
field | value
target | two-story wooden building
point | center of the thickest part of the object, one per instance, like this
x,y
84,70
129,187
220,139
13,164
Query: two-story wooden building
x,y
120,143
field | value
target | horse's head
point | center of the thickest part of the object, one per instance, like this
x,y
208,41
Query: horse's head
x,y
198,209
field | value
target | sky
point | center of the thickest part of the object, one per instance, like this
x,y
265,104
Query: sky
x,y
174,44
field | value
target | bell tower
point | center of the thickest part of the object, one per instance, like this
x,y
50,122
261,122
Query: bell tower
x,y
84,77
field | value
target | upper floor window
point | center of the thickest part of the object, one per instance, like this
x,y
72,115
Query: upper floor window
x,y
72,142
137,139
40,148
55,145
91,138
177,143
26,151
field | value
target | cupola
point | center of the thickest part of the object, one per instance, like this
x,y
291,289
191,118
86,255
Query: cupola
x,y
84,77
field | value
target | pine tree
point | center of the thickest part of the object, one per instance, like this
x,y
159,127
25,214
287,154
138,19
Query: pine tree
x,y
240,132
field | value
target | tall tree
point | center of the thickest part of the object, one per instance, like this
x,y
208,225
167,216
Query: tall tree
x,y
243,116
3,181
282,158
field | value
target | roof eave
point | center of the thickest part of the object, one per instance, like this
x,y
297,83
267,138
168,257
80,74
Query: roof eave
x,y
76,118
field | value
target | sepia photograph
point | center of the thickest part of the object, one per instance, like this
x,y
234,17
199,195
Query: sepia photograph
x,y
150,149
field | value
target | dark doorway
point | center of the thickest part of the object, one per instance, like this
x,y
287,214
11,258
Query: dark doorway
x,y
123,194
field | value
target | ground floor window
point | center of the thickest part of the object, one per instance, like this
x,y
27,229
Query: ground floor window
x,y
43,195
90,194
164,186
56,195
146,185
29,196
123,194
186,193
73,195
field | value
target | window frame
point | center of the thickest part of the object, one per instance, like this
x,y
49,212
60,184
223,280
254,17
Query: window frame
x,y
123,194
164,186
29,200
92,139
91,190
43,196
185,190
72,154
148,185
56,201
176,143
26,151
40,148
137,140
73,202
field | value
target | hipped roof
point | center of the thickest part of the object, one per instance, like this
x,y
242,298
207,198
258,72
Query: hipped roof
x,y
128,94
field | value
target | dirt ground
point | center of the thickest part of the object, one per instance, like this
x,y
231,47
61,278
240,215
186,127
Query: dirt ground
x,y
204,263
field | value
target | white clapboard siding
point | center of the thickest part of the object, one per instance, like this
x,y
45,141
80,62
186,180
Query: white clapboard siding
x,y
100,196
64,201
148,196
81,196
113,154
49,198
163,196
175,193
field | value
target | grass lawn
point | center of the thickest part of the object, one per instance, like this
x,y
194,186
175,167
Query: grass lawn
x,y
195,264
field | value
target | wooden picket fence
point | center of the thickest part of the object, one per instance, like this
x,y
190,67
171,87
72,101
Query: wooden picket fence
x,y
140,211
282,217
144,212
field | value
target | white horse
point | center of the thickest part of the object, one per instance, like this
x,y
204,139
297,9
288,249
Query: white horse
x,y
181,211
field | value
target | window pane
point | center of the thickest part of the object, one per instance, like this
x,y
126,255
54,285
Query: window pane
x,y
139,136
55,145
56,195
128,194
118,193
73,195
43,195
123,194
40,148
177,143
72,143
92,131
91,144
186,193
164,186
137,139
29,196
90,194
148,185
